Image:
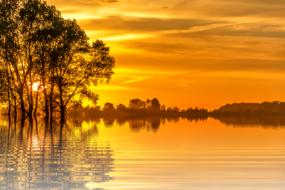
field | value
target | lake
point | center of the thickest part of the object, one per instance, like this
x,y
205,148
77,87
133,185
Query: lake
x,y
142,155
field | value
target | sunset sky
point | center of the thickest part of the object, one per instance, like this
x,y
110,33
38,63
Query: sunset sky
x,y
188,52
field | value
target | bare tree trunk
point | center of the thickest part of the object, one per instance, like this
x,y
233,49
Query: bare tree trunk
x,y
15,109
22,104
9,102
9,91
46,102
36,106
51,102
31,98
62,115
61,105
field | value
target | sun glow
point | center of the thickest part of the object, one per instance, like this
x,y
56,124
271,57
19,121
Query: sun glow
x,y
36,86
208,54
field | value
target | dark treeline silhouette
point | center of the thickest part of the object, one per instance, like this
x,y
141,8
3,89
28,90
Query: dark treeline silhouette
x,y
139,114
151,111
151,108
46,61
265,114
265,108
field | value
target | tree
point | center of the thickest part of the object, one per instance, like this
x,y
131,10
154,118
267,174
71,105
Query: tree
x,y
82,66
46,38
4,88
24,33
153,105
121,108
9,53
39,48
137,104
109,108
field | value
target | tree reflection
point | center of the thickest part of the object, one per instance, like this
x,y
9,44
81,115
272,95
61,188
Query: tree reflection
x,y
42,156
252,120
152,124
47,157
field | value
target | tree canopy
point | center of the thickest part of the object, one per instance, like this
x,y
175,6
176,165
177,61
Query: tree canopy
x,y
45,60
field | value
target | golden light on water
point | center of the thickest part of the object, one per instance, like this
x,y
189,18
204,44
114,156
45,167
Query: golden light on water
x,y
185,53
177,155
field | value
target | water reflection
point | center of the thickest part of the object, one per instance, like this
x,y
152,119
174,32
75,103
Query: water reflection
x,y
153,123
253,120
37,157
135,124
141,153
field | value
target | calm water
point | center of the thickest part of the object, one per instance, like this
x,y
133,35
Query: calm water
x,y
143,155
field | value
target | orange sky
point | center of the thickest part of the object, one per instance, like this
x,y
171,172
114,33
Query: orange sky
x,y
188,52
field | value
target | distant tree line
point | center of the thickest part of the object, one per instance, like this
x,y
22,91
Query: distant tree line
x,y
265,108
150,108
139,114
247,114
46,61
267,113
153,106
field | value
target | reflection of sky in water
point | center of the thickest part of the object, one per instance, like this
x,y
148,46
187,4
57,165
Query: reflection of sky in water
x,y
37,158
142,154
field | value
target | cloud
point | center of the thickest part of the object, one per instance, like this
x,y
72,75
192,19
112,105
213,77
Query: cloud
x,y
109,1
136,79
159,47
107,87
232,8
135,24
78,4
195,50
260,30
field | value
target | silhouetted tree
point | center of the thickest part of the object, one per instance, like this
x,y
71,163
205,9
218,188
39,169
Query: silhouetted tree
x,y
153,105
163,109
121,108
265,108
109,108
137,104
4,91
14,50
81,68
46,38
47,59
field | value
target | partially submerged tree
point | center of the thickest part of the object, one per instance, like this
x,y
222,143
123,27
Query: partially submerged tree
x,y
83,66
46,60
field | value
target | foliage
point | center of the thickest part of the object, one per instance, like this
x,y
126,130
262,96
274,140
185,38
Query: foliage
x,y
137,104
39,46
